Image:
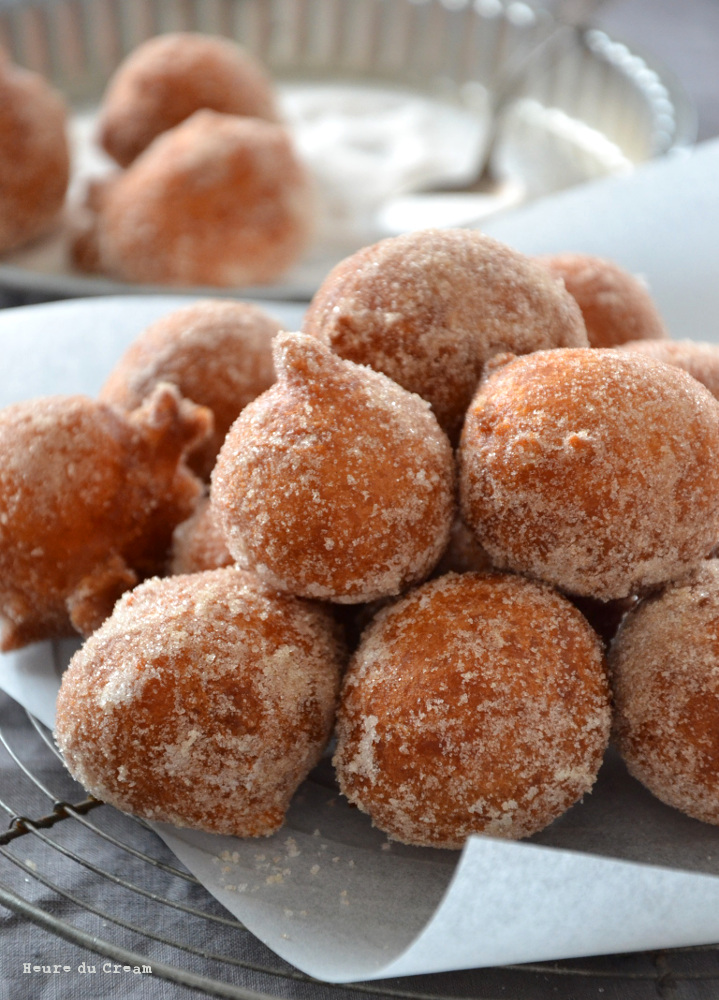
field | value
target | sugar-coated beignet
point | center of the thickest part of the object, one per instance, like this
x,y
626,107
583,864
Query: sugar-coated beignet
x,y
701,360
665,674
88,502
169,77
218,353
217,200
429,308
592,469
336,483
34,156
203,701
198,543
477,703
615,304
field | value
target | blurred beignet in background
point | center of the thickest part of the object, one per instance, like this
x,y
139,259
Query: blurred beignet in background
x,y
34,156
216,201
169,77
699,359
88,502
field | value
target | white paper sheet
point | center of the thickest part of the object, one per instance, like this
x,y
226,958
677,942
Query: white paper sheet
x,y
328,892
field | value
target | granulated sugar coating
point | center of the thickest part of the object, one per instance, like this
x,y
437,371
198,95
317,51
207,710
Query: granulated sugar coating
x,y
592,469
665,673
218,353
699,359
429,308
88,502
34,156
169,77
198,543
615,304
203,701
336,483
478,703
217,200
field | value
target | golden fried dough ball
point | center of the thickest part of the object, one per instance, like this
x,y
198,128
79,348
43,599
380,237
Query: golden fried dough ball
x,y
429,308
218,200
336,483
169,77
592,469
665,674
198,543
203,701
88,502
699,359
218,353
615,304
478,703
34,156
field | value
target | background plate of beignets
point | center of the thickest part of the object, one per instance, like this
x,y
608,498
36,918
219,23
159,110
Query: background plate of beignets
x,y
593,469
665,676
217,352
216,201
88,501
169,77
478,703
203,701
430,308
336,483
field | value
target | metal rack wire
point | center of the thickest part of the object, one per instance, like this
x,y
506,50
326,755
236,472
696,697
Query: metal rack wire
x,y
104,882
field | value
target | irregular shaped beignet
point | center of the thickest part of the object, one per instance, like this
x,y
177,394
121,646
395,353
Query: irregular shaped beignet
x,y
88,502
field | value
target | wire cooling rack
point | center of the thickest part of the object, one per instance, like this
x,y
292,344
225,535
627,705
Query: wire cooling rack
x,y
104,882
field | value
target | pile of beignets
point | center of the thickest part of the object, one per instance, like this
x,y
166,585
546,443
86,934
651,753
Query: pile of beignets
x,y
207,189
444,521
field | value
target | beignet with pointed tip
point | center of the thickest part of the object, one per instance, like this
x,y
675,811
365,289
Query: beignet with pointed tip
x,y
202,701
88,502
429,308
477,703
336,483
169,77
218,354
592,469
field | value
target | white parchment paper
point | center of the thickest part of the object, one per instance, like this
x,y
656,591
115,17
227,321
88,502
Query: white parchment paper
x,y
618,872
